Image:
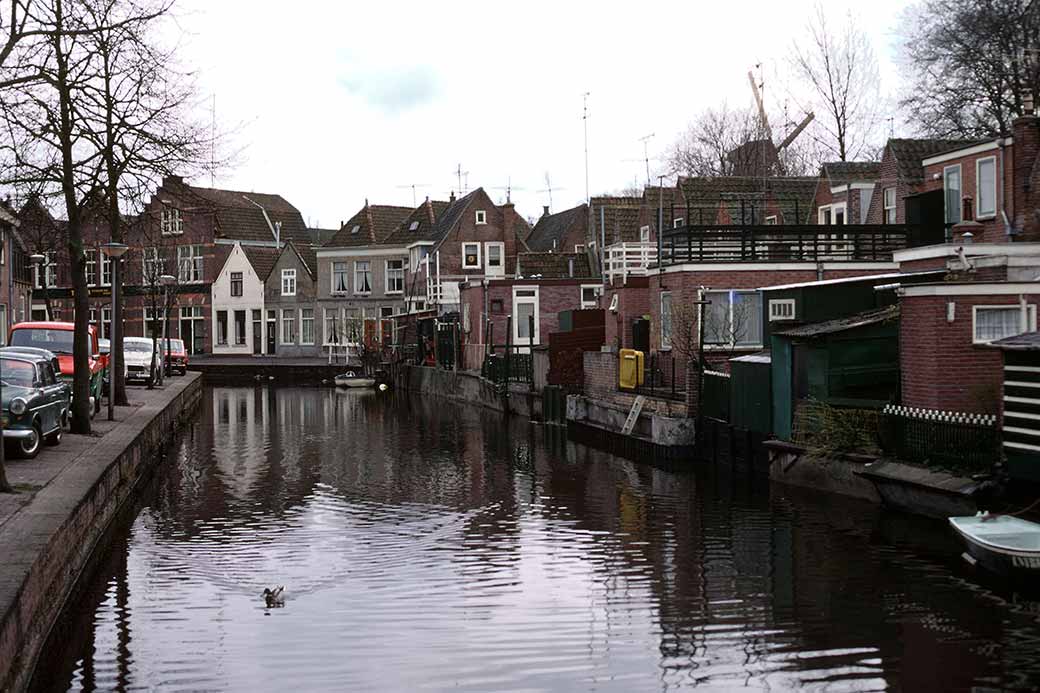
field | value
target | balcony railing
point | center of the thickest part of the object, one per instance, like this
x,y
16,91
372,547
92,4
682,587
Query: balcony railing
x,y
792,243
624,259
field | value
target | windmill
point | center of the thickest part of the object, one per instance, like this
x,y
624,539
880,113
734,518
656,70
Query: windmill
x,y
759,156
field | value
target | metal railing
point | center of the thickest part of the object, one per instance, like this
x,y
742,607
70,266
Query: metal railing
x,y
623,259
956,441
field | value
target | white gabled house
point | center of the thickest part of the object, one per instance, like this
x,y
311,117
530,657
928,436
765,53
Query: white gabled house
x,y
238,300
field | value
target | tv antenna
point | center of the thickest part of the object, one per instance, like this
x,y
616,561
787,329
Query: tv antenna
x,y
585,122
509,188
413,186
459,173
549,189
645,139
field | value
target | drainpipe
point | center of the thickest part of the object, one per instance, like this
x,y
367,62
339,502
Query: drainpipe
x,y
440,289
1023,314
1008,230
486,315
602,247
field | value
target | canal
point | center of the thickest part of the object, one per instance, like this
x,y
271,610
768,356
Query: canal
x,y
430,546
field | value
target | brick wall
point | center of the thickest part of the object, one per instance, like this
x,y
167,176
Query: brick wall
x,y
1026,186
940,366
991,228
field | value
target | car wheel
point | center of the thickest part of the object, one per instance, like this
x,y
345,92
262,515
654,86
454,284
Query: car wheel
x,y
55,437
29,448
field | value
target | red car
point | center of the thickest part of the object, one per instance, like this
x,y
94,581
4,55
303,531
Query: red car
x,y
178,356
57,338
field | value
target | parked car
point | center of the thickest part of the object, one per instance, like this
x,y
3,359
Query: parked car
x,y
178,356
35,402
140,354
57,337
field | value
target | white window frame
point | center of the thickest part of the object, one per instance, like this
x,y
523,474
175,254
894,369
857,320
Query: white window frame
x,y
386,275
481,217
579,247
303,338
500,271
521,295
781,309
170,221
979,213
960,197
106,270
241,284
332,278
357,282
288,282
644,234
666,325
92,266
466,265
190,264
288,318
333,316
222,338
757,316
888,208
771,220
677,222
597,288
150,259
1031,311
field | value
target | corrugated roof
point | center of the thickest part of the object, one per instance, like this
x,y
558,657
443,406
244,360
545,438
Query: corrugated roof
x,y
551,229
816,329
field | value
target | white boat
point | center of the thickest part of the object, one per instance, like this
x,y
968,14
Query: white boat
x,y
354,379
1003,544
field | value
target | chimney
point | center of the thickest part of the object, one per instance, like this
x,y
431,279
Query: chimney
x,y
172,181
278,234
1025,194
545,210
451,198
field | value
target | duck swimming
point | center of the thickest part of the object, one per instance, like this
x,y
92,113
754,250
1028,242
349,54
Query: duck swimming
x,y
275,597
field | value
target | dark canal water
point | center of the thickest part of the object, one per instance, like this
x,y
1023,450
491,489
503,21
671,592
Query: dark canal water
x,y
426,546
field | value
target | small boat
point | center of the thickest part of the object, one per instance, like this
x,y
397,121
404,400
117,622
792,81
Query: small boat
x,y
1002,544
354,379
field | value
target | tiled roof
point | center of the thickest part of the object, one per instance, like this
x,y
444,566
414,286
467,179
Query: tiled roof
x,y
372,224
553,265
308,254
451,215
620,217
838,172
424,217
909,153
745,197
262,259
550,230
238,218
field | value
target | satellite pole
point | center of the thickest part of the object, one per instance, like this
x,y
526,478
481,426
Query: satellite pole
x,y
213,141
585,120
413,186
646,155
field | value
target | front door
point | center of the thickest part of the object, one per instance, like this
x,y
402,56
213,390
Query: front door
x,y
258,335
272,328
525,316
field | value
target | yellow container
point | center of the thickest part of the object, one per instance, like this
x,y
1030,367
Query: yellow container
x,y
630,369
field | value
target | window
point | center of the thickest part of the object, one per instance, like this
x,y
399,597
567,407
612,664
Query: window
x,y
154,266
471,256
49,271
497,305
733,318
106,323
666,319
590,294
644,234
838,214
771,220
781,309
829,214
171,221
288,282
952,193
481,216
236,283
339,277
579,248
413,226
352,326
106,270
823,215
189,263
395,276
676,223
996,322
362,277
494,263
890,205
355,228
416,255
240,327
222,327
288,326
3,252
333,327
306,326
986,187
91,256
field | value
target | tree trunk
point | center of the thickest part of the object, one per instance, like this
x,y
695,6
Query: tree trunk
x,y
116,333
5,486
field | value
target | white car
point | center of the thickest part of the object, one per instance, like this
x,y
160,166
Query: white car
x,y
139,354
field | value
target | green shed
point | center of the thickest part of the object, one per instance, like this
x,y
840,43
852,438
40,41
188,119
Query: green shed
x,y
1020,423
849,362
750,393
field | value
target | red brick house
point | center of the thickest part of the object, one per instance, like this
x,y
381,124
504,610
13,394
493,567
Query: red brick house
x,y
844,191
562,232
15,276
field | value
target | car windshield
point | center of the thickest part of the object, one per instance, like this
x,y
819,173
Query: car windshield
x,y
175,344
103,346
16,373
58,341
144,347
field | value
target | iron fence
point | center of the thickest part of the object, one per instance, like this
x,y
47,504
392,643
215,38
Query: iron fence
x,y
956,441
508,368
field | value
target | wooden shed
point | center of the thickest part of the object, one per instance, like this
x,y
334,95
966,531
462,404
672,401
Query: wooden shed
x,y
1020,422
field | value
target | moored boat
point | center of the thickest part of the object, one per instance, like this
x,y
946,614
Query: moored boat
x,y
354,379
1002,544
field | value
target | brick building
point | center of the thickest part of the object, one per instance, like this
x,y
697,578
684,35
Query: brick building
x,y
15,276
291,313
562,232
844,191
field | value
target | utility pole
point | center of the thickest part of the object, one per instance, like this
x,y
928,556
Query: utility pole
x,y
585,120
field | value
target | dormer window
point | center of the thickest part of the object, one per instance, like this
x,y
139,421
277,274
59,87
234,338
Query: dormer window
x,y
356,228
481,216
413,226
170,221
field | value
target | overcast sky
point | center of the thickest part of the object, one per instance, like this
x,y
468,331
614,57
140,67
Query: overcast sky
x,y
336,102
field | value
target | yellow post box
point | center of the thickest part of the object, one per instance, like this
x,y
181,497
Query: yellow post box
x,y
630,369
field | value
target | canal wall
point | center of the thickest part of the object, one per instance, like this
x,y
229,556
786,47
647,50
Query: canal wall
x,y
469,388
48,542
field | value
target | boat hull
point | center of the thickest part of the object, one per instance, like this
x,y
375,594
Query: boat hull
x,y
355,382
986,550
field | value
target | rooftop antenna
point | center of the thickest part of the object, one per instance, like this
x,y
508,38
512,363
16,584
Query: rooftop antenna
x,y
645,139
508,188
585,121
549,189
459,173
413,186
213,141
891,126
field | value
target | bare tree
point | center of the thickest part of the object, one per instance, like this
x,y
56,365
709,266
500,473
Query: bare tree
x,y
971,63
842,82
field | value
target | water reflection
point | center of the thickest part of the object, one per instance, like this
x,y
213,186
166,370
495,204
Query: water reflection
x,y
428,546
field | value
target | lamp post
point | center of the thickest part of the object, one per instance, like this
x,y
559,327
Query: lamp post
x,y
37,259
167,280
114,251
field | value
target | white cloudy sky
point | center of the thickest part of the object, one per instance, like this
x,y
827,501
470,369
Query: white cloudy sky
x,y
336,102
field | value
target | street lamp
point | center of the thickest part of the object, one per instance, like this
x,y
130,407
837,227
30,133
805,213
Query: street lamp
x,y
167,280
37,259
113,251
